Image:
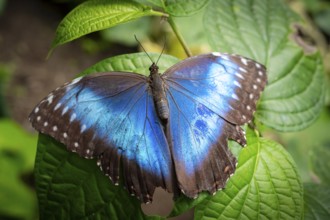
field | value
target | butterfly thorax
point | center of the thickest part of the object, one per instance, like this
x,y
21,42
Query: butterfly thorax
x,y
158,92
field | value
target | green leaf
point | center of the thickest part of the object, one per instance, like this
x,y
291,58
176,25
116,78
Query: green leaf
x,y
71,187
135,62
123,33
262,30
300,144
319,160
17,151
159,3
266,185
96,15
317,201
183,8
183,204
322,19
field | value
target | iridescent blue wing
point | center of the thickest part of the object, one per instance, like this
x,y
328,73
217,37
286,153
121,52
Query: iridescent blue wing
x,y
111,117
209,97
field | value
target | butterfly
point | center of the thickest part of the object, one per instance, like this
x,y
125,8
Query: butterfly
x,y
167,130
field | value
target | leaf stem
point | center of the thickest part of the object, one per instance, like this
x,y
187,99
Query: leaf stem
x,y
179,36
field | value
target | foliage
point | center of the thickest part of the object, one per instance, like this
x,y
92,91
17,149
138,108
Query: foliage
x,y
257,191
317,200
17,152
266,183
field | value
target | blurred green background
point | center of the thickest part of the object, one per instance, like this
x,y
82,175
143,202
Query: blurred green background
x,y
26,32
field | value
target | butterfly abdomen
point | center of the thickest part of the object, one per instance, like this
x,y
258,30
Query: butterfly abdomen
x,y
158,92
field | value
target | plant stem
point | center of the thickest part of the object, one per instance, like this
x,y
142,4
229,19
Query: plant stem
x,y
179,36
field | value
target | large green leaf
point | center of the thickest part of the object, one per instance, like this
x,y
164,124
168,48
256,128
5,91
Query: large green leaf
x,y
70,187
317,201
266,185
262,30
135,62
179,7
123,33
96,15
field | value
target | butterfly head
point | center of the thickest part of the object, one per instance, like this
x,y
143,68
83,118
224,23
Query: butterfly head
x,y
153,69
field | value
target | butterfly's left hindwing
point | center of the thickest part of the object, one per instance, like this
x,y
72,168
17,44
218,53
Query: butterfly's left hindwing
x,y
111,117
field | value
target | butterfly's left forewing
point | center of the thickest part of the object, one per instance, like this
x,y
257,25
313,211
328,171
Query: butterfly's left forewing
x,y
111,117
209,97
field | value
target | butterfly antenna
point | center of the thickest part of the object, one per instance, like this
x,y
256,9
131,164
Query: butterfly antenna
x,y
162,50
143,48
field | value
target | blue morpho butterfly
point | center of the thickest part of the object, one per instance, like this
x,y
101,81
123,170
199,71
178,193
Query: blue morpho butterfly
x,y
168,130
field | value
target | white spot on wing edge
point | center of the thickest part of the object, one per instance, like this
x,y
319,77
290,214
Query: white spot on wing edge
x,y
217,54
242,69
75,81
36,110
244,61
38,118
65,110
54,128
83,128
237,84
45,124
260,73
258,65
58,105
76,144
65,135
234,96
73,117
239,75
50,98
